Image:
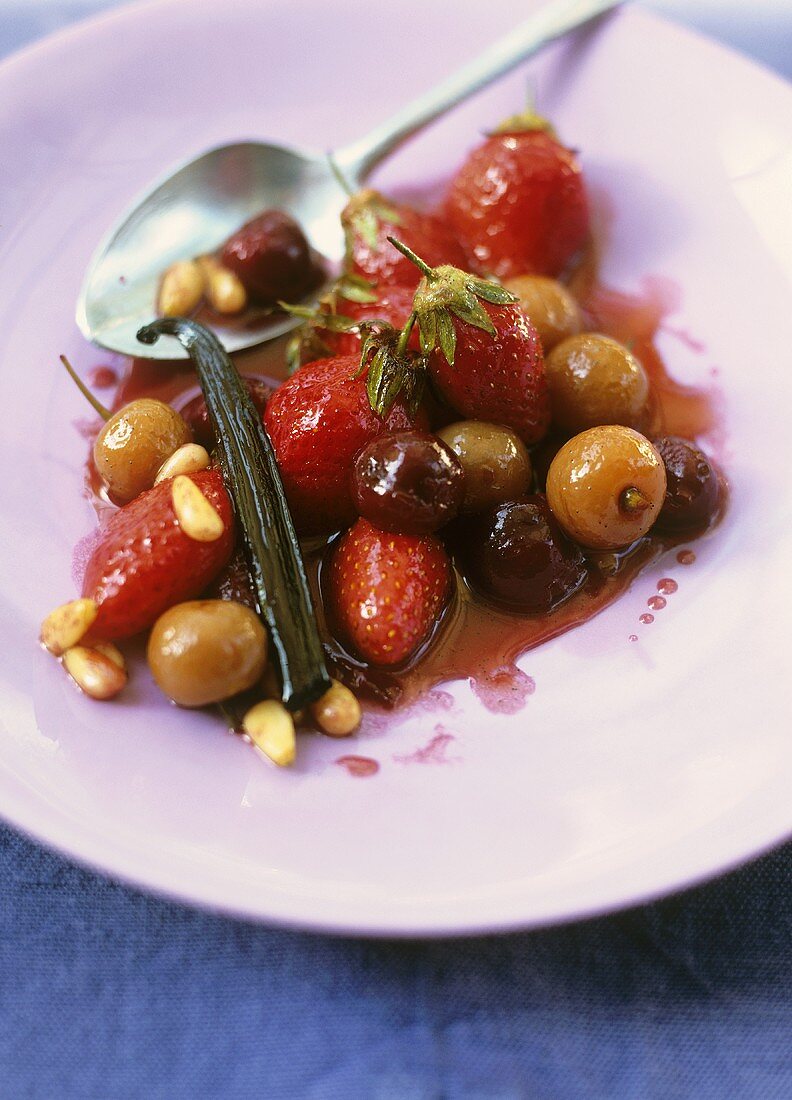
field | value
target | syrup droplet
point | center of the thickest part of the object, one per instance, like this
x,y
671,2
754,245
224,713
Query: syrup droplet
x,y
102,378
359,766
686,557
667,586
88,429
657,603
633,638
646,618
503,690
433,752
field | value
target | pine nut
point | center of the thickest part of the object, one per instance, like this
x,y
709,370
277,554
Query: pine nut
x,y
337,713
271,729
113,653
67,624
197,516
224,289
94,672
187,459
181,289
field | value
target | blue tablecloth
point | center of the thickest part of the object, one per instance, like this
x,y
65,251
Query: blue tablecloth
x,y
105,993
109,994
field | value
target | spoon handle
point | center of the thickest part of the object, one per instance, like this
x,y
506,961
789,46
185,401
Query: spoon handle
x,y
548,23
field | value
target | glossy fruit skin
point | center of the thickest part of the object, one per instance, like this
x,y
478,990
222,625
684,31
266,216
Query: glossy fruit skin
x,y
134,443
549,306
143,563
494,459
383,265
498,378
204,651
318,421
408,482
272,258
593,380
518,205
196,413
517,556
234,582
394,305
588,481
693,492
386,592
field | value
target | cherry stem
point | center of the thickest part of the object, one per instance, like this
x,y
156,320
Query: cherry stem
x,y
81,386
404,336
428,271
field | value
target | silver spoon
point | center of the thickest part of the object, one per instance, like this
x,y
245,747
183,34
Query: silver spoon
x,y
193,210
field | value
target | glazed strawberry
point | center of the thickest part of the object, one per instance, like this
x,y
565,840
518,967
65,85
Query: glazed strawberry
x,y
485,356
333,327
518,204
393,305
386,592
144,563
318,421
369,220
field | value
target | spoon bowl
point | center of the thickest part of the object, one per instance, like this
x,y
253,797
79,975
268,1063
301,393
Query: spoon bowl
x,y
191,212
193,209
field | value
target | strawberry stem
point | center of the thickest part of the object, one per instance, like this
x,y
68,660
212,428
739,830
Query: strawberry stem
x,y
404,335
81,386
428,271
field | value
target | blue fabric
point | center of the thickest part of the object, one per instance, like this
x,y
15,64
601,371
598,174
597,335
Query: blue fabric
x,y
105,993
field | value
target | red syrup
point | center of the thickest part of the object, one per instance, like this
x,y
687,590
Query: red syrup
x,y
474,641
102,378
656,603
435,751
361,767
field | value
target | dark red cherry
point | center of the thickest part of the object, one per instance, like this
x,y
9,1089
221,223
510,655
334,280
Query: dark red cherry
x,y
272,257
516,555
196,413
408,482
693,489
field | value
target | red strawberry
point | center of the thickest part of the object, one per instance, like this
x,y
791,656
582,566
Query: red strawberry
x,y
332,327
393,304
386,592
144,563
518,204
369,220
485,356
318,421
